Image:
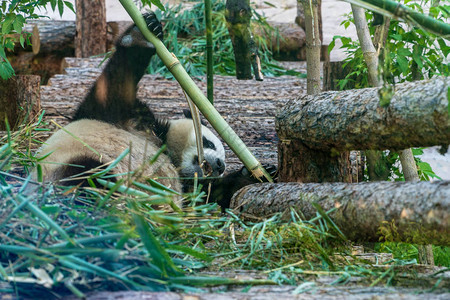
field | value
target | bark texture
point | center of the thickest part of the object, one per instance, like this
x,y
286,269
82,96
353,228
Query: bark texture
x,y
90,38
353,120
298,163
19,100
415,212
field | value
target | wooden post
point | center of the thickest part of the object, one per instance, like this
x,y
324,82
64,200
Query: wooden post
x,y
19,100
90,38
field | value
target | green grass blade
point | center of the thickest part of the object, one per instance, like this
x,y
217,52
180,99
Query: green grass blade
x,y
154,248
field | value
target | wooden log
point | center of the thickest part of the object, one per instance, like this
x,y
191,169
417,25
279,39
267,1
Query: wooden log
x,y
90,38
414,212
353,120
52,36
19,100
286,40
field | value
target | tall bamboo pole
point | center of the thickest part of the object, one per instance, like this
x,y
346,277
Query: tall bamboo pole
x,y
193,91
209,53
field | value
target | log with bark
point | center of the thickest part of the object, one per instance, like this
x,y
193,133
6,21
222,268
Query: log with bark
x,y
49,36
414,212
418,116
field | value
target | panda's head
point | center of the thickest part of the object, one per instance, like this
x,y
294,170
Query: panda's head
x,y
182,149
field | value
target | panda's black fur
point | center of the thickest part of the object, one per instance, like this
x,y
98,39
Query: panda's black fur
x,y
110,117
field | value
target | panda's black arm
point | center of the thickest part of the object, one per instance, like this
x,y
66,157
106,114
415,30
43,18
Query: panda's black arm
x,y
223,188
113,97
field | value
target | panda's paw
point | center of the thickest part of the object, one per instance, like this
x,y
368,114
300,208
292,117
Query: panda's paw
x,y
154,25
133,37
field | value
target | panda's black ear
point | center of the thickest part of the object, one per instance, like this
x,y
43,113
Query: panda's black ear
x,y
188,115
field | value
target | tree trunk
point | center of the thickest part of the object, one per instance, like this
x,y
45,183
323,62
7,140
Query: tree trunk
x,y
300,18
414,212
367,47
19,100
91,37
353,120
313,46
238,15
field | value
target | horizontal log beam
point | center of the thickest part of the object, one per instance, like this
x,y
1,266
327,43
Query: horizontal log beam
x,y
418,116
415,212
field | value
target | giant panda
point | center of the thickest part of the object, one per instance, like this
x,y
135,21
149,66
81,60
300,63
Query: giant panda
x,y
111,119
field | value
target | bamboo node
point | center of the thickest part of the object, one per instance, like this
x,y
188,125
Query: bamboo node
x,y
173,63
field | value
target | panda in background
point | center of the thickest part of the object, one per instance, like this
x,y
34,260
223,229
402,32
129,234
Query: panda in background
x,y
111,119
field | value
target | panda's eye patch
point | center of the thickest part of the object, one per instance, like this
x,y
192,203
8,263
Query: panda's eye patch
x,y
207,144
195,160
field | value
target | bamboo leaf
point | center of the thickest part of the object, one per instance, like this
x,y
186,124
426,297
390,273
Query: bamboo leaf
x,y
154,248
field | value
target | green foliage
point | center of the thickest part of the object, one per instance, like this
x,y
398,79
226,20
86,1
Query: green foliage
x,y
424,169
184,32
410,53
13,16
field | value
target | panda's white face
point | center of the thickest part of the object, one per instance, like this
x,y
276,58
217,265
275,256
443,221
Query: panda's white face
x,y
182,148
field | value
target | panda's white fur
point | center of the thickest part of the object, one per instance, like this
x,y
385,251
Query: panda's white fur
x,y
68,150
182,148
99,141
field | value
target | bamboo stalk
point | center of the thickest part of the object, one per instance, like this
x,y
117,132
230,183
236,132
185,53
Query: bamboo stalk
x,y
193,91
209,53
398,11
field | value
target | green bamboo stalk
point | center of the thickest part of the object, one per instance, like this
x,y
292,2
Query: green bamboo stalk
x,y
398,11
193,91
209,53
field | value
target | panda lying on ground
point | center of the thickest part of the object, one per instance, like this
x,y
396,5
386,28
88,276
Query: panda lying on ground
x,y
110,119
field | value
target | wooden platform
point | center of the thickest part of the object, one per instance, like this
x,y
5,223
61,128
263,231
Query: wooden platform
x,y
248,106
